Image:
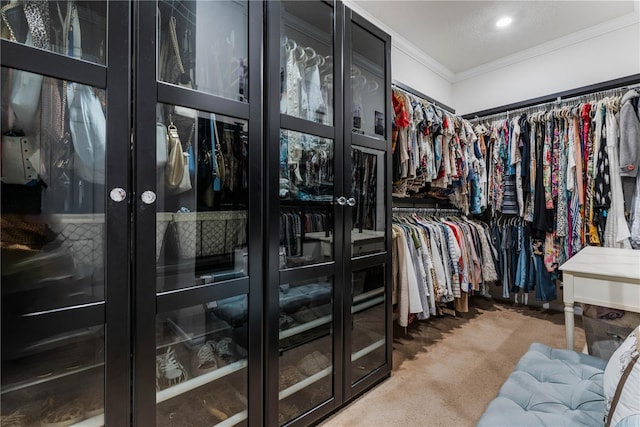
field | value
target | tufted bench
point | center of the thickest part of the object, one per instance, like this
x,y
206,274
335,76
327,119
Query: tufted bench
x,y
551,387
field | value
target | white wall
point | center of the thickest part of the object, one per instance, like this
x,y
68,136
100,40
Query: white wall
x,y
600,58
407,69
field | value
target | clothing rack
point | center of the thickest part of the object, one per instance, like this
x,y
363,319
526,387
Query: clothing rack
x,y
430,211
559,97
559,103
404,88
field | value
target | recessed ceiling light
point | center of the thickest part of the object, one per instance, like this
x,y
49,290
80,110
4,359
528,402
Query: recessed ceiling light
x,y
503,22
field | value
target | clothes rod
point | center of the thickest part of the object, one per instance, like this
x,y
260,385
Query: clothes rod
x,y
560,103
427,210
584,90
419,94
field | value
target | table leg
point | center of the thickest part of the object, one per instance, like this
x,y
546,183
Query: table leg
x,y
569,324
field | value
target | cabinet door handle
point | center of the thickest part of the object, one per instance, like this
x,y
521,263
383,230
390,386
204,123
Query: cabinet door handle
x,y
148,197
341,200
118,194
351,201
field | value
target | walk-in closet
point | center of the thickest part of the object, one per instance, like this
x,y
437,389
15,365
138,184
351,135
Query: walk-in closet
x,y
318,212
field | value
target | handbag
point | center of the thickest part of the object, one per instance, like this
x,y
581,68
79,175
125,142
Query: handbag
x,y
20,159
219,168
184,79
174,169
185,182
162,145
178,178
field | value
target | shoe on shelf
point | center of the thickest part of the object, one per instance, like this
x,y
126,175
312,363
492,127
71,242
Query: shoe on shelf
x,y
286,321
205,358
169,370
224,350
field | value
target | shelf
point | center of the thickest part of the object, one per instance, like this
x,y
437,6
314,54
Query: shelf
x,y
184,337
290,203
231,421
97,421
48,378
199,381
295,330
367,295
367,304
305,383
368,349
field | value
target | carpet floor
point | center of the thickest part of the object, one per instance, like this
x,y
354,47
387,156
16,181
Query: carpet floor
x,y
447,370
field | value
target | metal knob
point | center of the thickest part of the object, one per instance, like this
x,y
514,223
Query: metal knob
x,y
351,201
341,200
148,197
118,194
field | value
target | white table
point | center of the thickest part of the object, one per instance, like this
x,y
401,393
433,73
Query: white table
x,y
606,277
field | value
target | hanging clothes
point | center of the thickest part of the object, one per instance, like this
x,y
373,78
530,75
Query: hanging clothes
x,y
438,261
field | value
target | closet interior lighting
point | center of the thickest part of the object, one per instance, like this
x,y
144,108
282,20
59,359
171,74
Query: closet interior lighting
x,y
503,22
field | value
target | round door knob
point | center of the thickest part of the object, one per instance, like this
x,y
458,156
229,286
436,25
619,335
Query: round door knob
x,y
351,201
341,200
118,194
148,197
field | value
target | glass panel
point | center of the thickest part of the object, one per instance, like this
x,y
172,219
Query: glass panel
x,y
306,61
203,45
368,350
306,366
201,364
368,83
51,246
78,31
55,381
52,220
306,199
202,197
368,233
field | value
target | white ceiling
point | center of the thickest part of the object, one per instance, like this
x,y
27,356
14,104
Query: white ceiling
x,y
462,35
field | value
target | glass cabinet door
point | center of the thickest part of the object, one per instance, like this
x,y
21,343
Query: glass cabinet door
x,y
71,28
56,301
304,220
367,227
306,61
306,191
199,153
368,216
202,198
53,245
367,80
203,45
201,364
305,345
368,334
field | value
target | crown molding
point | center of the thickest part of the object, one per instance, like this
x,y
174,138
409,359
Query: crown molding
x,y
403,44
623,21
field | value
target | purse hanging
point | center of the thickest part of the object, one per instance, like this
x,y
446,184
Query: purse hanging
x,y
162,145
219,168
185,182
177,170
174,169
184,79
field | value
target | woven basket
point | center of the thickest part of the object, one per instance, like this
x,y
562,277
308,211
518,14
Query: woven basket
x,y
162,222
83,235
204,234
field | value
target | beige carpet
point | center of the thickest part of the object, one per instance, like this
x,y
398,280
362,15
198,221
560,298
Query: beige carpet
x,y
447,370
